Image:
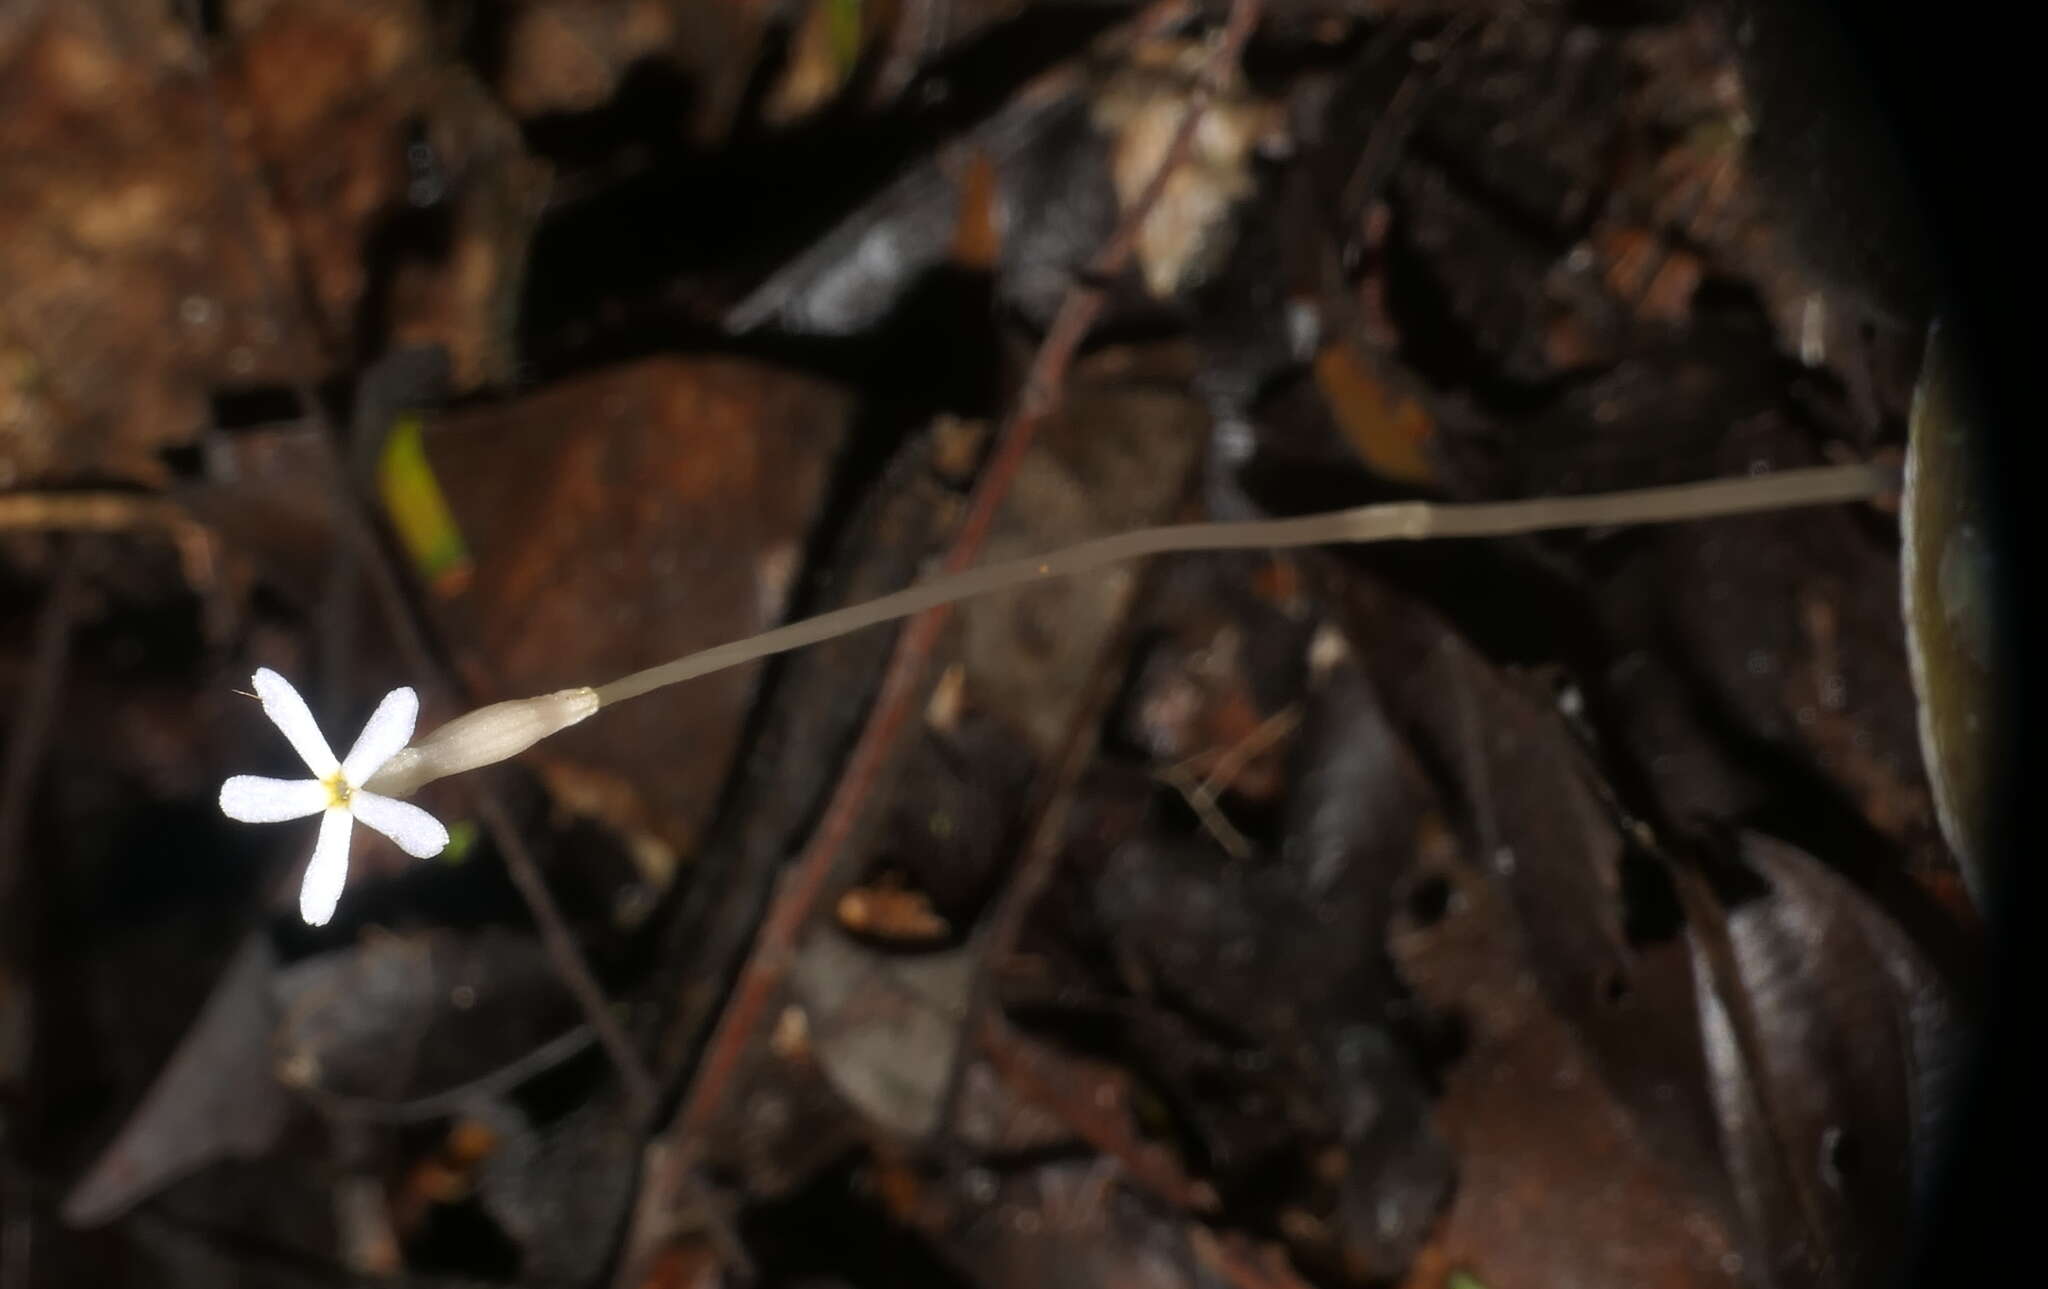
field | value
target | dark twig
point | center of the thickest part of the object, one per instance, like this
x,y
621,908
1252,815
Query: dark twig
x,y
434,1105
361,529
28,735
556,937
767,966
1402,114
567,958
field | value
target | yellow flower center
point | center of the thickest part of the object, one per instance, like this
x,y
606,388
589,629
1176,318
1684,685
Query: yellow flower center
x,y
337,790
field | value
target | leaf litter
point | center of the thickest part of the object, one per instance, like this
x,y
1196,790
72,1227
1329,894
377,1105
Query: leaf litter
x,y
1516,911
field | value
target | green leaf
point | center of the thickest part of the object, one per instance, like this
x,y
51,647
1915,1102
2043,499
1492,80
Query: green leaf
x,y
419,510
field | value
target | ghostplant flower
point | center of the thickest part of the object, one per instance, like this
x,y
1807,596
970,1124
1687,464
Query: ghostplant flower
x,y
335,792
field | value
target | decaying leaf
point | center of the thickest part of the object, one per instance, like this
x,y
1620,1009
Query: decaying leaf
x,y
1074,1224
400,1018
585,508
1562,909
135,273
1830,1133
1953,618
217,1097
1140,108
1556,1181
174,226
886,1029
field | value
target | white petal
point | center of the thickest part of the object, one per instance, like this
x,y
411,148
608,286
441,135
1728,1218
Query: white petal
x,y
267,801
287,711
417,833
328,869
389,728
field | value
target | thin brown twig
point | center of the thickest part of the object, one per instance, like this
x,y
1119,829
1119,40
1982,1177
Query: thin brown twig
x,y
1203,795
1035,1073
1046,381
998,138
434,1105
1039,860
1230,1256
774,947
360,527
1203,802
99,512
768,963
117,512
1239,754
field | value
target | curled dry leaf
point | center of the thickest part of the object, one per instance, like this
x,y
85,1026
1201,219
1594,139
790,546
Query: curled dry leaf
x,y
1140,109
891,913
1953,618
1830,1134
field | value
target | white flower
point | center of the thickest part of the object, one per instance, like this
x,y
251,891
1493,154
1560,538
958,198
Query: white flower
x,y
335,791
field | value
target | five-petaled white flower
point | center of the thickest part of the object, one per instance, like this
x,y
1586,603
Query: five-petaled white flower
x,y
335,791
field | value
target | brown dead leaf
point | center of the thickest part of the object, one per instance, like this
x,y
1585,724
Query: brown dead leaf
x,y
445,1175
466,300
564,56
133,281
164,236
319,93
689,1263
568,57
621,519
1389,430
891,913
1654,280
1556,1185
1111,458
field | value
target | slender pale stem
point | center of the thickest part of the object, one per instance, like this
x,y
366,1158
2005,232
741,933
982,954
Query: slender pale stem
x,y
1403,520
